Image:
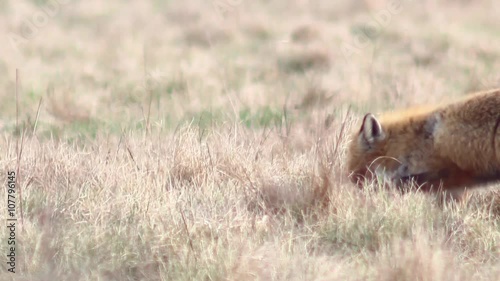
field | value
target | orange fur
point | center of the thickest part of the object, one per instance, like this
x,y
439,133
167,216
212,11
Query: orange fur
x,y
447,147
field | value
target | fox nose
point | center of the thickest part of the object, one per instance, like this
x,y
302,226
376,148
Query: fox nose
x,y
403,171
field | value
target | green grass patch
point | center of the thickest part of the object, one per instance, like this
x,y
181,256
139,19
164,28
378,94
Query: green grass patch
x,y
262,117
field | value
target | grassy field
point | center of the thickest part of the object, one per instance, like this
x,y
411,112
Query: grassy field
x,y
205,140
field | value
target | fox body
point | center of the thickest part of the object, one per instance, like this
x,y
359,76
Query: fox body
x,y
448,147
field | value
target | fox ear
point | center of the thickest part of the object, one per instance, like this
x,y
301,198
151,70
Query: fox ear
x,y
371,131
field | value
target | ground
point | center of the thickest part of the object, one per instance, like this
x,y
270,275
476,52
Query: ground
x,y
205,140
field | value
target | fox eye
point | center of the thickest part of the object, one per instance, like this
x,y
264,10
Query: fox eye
x,y
403,170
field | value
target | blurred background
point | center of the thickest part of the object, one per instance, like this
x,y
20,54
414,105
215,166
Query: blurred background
x,y
205,140
93,65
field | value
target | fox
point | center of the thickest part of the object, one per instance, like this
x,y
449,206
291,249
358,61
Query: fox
x,y
445,148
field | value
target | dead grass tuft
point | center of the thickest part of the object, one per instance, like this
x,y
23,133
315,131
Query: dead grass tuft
x,y
419,259
206,35
305,33
66,108
301,59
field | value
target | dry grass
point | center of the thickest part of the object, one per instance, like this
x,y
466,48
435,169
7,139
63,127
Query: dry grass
x,y
206,141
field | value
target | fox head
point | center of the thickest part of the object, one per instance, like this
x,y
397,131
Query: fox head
x,y
397,147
